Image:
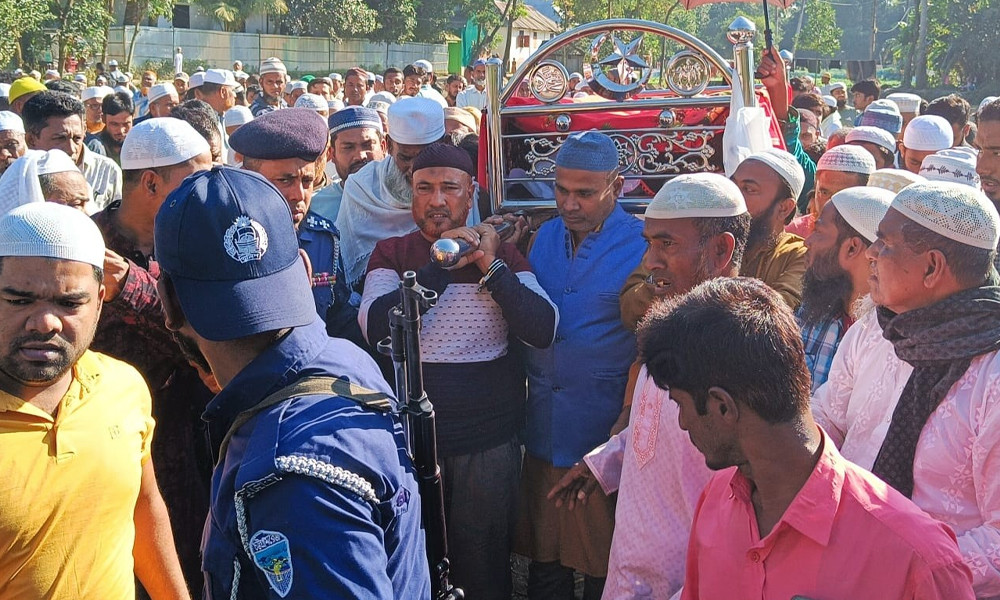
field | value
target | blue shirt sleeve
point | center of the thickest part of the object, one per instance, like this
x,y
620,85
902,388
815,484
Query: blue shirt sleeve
x,y
335,545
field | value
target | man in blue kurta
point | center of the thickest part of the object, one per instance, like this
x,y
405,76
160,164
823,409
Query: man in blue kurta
x,y
576,386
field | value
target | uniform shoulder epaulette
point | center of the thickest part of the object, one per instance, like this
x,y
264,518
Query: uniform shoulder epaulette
x,y
314,221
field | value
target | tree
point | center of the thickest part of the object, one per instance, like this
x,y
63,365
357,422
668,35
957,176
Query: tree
x,y
18,19
333,18
233,14
141,10
434,19
81,26
820,33
397,19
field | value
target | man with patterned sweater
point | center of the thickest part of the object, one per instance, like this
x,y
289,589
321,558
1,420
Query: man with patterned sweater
x,y
471,373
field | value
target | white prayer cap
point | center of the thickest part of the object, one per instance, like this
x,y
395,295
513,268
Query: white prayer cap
x,y
96,91
893,180
241,75
957,165
986,100
863,208
426,64
55,161
575,75
884,105
785,165
4,90
121,89
371,76
51,230
288,87
52,73
237,115
697,195
460,115
220,76
383,96
160,90
416,121
299,85
380,79
955,211
847,159
583,85
838,86
928,133
336,77
872,135
160,143
907,103
336,104
196,80
80,77
313,101
272,65
10,121
830,101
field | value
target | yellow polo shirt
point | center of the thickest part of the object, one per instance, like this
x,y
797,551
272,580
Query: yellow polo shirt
x,y
68,485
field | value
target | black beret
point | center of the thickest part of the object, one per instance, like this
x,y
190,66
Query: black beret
x,y
286,133
443,155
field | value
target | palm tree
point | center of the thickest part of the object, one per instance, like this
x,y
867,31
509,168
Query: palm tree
x,y
233,14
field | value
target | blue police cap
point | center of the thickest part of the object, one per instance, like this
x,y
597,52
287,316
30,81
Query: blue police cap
x,y
287,133
354,117
588,151
225,237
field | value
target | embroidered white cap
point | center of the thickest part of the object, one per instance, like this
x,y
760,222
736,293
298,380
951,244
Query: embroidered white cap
x,y
928,133
907,103
51,230
957,165
872,135
697,195
10,121
55,161
220,77
416,121
272,65
197,78
313,101
955,211
426,64
237,115
830,101
840,85
785,165
893,179
335,104
96,91
847,159
160,143
987,100
336,77
299,85
161,90
863,208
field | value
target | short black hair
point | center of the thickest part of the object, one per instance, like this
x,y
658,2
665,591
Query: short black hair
x,y
415,70
208,88
733,333
45,105
738,226
64,86
970,265
952,108
990,112
453,78
868,87
117,103
200,115
391,71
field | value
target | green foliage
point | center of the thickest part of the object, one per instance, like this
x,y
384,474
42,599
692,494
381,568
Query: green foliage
x,y
819,32
434,20
81,25
19,18
233,14
333,18
397,20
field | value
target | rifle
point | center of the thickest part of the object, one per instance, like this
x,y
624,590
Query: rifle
x,y
403,346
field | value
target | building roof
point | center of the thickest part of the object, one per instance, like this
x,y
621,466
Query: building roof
x,y
532,20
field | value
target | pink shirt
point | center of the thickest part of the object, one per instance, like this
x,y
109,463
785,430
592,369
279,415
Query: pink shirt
x,y
846,535
659,475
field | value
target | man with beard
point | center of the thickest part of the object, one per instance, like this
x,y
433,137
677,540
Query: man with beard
x,y
53,120
471,374
181,84
12,146
453,87
314,495
770,182
157,155
912,394
80,512
117,115
576,385
847,113
696,229
49,176
377,198
355,86
141,97
272,81
293,141
988,144
356,139
864,93
836,277
393,80
838,169
204,119
785,515
163,97
475,95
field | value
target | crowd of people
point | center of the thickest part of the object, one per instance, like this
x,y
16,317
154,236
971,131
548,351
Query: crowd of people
x,y
778,384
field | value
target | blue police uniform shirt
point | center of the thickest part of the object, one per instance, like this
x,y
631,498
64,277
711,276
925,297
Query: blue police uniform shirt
x,y
576,386
335,303
316,496
259,106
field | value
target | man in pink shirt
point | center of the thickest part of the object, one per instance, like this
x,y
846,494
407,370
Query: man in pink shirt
x,y
785,516
696,228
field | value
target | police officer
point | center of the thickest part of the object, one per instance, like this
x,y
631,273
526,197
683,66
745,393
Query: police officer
x,y
312,494
285,146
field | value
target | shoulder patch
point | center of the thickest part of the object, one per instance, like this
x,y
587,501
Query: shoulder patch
x,y
273,555
314,221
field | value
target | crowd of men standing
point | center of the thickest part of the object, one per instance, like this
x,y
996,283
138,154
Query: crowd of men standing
x,y
779,384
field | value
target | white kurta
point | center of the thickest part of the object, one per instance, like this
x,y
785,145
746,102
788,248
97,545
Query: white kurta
x,y
957,464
